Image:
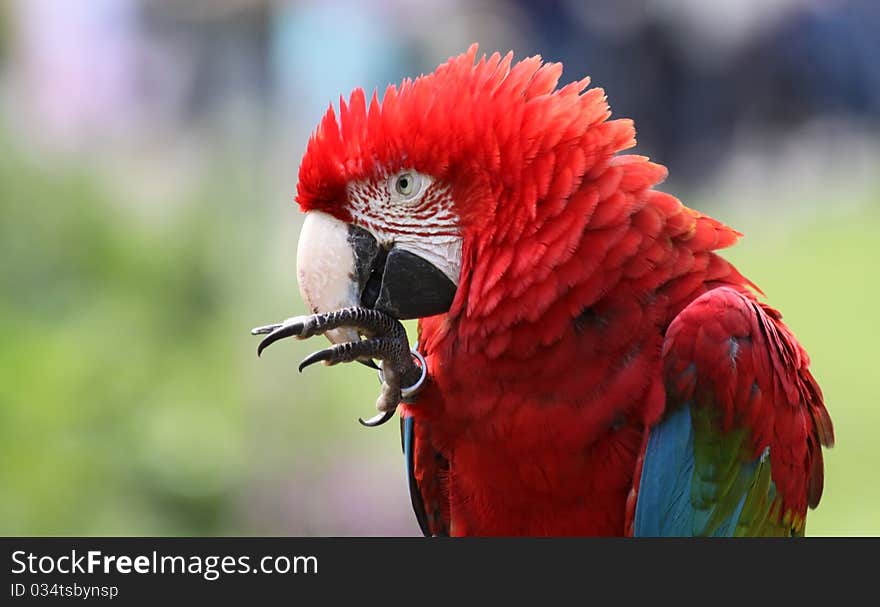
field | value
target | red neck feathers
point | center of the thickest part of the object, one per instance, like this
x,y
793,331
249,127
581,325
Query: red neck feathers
x,y
568,251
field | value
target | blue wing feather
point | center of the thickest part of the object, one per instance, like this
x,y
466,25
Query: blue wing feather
x,y
665,505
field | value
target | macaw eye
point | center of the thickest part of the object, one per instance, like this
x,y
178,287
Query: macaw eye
x,y
407,185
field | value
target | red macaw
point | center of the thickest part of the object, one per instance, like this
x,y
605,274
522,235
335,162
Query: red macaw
x,y
592,365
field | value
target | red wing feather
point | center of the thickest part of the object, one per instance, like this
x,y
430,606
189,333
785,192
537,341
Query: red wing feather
x,y
729,351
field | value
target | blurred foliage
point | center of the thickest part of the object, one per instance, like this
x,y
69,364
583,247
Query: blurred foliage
x,y
119,405
131,401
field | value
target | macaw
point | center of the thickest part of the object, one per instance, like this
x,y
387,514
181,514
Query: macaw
x,y
589,364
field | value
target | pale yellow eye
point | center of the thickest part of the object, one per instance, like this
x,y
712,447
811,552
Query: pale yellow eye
x,y
407,184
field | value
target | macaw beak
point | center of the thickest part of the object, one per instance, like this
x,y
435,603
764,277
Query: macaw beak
x,y
341,265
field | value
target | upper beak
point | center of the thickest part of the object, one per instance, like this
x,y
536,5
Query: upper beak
x,y
341,265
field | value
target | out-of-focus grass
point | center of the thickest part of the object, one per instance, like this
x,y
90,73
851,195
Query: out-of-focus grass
x,y
131,401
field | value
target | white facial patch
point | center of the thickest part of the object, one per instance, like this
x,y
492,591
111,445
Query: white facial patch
x,y
325,265
423,222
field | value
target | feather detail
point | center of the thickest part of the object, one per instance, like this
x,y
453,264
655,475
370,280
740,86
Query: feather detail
x,y
751,451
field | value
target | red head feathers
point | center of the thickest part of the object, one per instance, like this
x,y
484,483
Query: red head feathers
x,y
483,128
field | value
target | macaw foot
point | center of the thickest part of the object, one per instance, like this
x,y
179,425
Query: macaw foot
x,y
384,340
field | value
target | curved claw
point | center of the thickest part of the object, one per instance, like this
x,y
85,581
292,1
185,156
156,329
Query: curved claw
x,y
378,419
279,331
314,357
385,340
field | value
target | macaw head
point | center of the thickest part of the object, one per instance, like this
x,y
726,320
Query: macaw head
x,y
404,197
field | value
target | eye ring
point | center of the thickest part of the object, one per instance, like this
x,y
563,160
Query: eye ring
x,y
407,185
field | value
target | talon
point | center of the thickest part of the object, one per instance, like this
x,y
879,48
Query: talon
x,y
373,335
314,357
280,331
378,419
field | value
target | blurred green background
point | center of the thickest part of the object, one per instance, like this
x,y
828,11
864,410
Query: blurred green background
x,y
147,225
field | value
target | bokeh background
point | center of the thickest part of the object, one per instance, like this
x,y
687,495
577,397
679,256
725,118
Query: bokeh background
x,y
148,159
